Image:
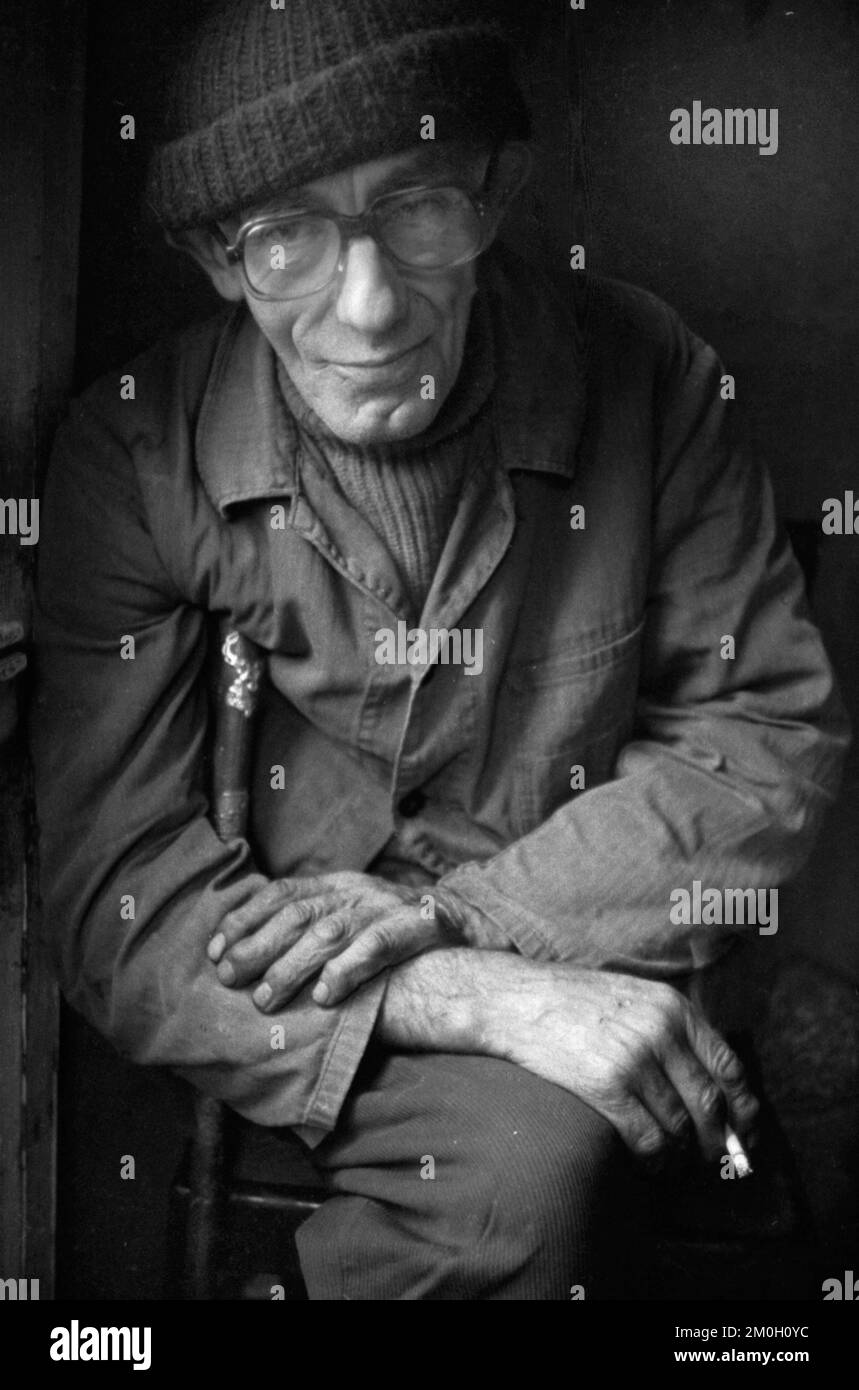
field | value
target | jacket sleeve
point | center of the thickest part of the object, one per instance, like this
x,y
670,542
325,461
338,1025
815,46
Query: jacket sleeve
x,y
737,746
134,879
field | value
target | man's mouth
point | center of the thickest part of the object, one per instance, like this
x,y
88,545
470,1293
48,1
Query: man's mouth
x,y
376,364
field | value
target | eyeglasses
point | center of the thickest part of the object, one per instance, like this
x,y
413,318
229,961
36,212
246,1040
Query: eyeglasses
x,y
287,256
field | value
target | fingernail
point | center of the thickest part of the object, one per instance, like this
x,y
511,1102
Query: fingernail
x,y
226,973
321,993
262,995
11,632
216,947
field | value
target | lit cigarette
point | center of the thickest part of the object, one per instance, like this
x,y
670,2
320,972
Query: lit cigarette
x,y
742,1166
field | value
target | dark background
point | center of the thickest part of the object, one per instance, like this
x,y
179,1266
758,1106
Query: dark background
x,y
759,254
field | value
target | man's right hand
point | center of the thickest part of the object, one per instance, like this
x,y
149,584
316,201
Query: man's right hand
x,y
635,1050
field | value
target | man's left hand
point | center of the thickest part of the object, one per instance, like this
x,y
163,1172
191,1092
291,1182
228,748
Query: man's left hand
x,y
346,927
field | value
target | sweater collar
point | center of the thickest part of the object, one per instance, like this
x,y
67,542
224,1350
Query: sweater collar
x,y
246,442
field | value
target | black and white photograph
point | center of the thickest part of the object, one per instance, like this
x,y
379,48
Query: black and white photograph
x,y
429,668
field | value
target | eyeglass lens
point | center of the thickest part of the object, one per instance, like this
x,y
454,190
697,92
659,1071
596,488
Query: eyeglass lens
x,y
429,229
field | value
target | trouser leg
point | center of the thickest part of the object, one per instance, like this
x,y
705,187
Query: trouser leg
x,y
462,1177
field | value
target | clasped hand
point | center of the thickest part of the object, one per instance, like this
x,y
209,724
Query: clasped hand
x,y
344,927
634,1049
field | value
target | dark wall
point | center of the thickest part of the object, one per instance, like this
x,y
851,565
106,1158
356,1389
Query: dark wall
x,y
759,253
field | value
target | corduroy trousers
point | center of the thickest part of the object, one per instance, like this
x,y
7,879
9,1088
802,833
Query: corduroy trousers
x,y
459,1177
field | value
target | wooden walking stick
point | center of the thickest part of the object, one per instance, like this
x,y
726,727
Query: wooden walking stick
x,y
239,671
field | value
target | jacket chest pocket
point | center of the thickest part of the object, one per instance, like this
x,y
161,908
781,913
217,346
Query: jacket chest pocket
x,y
572,711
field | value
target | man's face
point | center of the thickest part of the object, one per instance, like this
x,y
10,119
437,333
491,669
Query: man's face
x,y
357,349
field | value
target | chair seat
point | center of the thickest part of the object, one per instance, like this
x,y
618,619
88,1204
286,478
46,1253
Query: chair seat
x,y
270,1187
273,1157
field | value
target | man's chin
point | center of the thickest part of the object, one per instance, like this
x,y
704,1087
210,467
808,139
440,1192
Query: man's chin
x,y
382,420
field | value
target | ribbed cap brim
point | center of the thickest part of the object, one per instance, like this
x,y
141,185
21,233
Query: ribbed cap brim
x,y
364,108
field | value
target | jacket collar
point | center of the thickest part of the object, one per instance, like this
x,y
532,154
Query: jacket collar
x,y
246,445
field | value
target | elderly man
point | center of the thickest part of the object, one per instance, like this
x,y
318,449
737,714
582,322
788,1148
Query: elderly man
x,y
537,659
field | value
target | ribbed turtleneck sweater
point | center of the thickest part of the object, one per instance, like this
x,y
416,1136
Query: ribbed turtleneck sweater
x,y
408,491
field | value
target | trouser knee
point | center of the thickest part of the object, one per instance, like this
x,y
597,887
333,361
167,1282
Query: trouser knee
x,y
463,1178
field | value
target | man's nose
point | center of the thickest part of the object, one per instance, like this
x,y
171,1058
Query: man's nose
x,y
372,297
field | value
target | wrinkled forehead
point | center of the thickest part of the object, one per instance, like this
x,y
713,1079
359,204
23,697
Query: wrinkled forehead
x,y
460,161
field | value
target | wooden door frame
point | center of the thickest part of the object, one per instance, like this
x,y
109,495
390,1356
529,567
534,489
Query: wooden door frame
x,y
42,50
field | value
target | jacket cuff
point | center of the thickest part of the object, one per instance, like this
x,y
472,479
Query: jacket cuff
x,y
526,930
341,1061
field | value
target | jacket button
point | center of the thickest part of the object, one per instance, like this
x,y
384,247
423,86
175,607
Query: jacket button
x,y
412,803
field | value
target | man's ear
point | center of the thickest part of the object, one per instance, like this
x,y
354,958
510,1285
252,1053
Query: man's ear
x,y
202,247
508,172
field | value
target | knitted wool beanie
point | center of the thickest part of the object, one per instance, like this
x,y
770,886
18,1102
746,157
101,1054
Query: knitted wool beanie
x,y
266,99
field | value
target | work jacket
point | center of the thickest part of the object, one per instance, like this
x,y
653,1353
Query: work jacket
x,y
653,708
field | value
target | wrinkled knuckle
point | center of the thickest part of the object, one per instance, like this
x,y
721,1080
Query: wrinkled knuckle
x,y
329,931
710,1101
679,1018
678,1125
748,1105
308,915
726,1062
650,1144
242,951
291,915
641,1057
623,1082
231,925
674,1012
